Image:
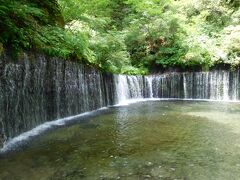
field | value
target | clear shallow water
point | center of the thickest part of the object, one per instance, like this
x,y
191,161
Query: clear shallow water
x,y
146,140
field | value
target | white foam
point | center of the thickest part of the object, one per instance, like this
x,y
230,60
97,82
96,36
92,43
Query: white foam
x,y
132,101
10,144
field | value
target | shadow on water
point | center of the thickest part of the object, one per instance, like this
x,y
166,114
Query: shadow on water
x,y
147,140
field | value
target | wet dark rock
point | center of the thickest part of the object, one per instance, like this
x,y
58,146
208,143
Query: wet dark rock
x,y
2,136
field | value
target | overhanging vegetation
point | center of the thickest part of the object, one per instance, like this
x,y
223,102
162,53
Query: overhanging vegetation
x,y
126,36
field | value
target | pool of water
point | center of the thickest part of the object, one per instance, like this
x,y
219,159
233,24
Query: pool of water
x,y
147,140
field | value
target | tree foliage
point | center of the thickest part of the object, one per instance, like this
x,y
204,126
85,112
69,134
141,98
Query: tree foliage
x,y
126,36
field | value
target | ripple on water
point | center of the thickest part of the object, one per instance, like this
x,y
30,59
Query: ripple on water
x,y
146,140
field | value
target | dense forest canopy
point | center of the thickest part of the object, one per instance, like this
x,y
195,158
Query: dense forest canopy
x,y
126,36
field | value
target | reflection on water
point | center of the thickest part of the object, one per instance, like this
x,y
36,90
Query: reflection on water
x,y
147,140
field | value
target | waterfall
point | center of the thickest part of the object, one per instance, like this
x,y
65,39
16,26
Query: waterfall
x,y
37,89
185,92
128,87
149,84
234,85
122,90
212,85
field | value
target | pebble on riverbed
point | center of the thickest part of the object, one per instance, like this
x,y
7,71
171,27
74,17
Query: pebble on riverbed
x,y
149,163
147,176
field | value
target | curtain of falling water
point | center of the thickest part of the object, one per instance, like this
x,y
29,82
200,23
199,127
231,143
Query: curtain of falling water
x,y
36,90
214,85
39,89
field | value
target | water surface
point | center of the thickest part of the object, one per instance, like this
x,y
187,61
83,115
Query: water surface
x,y
147,140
